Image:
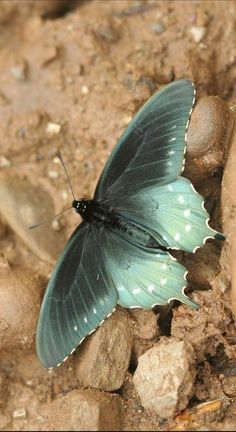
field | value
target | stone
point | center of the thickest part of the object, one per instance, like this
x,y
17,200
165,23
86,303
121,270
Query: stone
x,y
202,328
20,292
146,332
164,377
103,359
22,204
208,138
83,410
198,32
19,413
144,323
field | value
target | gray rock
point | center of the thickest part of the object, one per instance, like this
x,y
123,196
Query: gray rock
x,y
23,205
103,359
164,377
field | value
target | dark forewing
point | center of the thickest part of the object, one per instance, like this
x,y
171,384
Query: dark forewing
x,y
151,150
79,296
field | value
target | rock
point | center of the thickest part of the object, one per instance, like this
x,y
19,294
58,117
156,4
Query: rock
x,y
103,359
198,32
208,138
229,215
20,292
83,410
146,332
205,266
164,377
158,28
19,413
145,323
22,205
229,385
203,328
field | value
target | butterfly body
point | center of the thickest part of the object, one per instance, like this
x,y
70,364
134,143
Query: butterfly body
x,y
103,216
142,208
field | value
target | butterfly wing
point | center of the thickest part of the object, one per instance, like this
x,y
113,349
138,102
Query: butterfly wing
x,y
141,178
173,214
79,296
143,277
151,150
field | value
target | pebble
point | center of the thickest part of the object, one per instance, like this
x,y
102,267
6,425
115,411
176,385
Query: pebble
x,y
21,205
19,70
20,292
103,359
198,32
19,413
208,138
53,174
84,90
53,128
83,410
4,162
164,377
158,28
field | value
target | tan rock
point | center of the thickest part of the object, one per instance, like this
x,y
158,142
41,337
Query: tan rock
x,y
22,204
83,410
20,292
103,359
208,138
164,377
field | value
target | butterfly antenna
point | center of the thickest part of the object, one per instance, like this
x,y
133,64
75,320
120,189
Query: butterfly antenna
x,y
67,175
49,220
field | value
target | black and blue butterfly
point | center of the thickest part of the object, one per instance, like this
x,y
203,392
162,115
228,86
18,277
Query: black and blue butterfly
x,y
141,208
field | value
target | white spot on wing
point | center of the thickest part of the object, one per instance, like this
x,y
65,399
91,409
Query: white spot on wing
x,y
164,266
188,227
177,236
187,213
181,199
170,188
85,320
136,291
94,310
163,281
75,328
171,152
151,288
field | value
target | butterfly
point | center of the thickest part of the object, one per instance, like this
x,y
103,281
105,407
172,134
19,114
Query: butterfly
x,y
141,209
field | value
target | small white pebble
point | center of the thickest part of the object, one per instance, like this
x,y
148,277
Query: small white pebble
x,y
53,174
198,32
4,162
64,195
53,128
19,413
127,119
56,160
84,89
56,225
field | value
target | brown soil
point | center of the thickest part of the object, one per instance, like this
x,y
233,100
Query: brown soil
x,y
72,76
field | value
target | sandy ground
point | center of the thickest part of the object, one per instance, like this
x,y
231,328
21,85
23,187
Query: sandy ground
x,y
72,75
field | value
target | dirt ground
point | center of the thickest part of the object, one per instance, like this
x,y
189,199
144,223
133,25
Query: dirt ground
x,y
72,75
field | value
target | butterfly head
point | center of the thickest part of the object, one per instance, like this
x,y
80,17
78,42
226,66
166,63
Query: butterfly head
x,y
80,206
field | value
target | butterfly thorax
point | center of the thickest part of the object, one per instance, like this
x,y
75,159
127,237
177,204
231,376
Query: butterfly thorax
x,y
98,213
